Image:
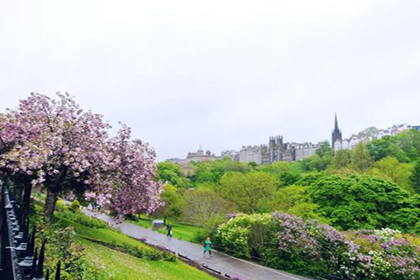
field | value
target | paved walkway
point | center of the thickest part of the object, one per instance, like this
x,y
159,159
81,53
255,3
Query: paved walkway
x,y
226,264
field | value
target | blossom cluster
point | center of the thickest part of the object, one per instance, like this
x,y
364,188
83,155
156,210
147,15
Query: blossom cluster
x,y
59,146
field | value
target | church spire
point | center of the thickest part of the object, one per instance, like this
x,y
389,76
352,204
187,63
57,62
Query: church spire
x,y
336,134
336,124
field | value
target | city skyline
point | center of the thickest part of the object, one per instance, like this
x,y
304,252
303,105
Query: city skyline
x,y
219,74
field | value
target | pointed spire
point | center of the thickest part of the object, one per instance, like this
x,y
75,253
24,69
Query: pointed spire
x,y
336,123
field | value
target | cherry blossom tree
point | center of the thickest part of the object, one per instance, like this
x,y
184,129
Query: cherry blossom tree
x,y
63,148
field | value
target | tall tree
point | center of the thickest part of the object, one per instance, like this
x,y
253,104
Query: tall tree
x,y
361,160
391,169
251,192
415,177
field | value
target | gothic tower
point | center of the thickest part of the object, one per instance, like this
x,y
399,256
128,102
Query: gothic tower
x,y
336,133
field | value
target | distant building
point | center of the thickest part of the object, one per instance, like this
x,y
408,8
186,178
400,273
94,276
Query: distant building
x,y
416,127
365,136
200,156
276,150
230,153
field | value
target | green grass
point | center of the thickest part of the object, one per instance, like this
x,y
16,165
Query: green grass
x,y
179,230
102,234
121,266
116,265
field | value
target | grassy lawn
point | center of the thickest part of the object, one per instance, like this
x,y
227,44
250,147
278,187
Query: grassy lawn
x,y
116,265
120,266
179,230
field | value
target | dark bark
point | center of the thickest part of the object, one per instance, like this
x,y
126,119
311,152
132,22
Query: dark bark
x,y
26,199
54,186
50,204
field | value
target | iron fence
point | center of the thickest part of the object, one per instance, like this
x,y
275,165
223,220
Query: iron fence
x,y
19,258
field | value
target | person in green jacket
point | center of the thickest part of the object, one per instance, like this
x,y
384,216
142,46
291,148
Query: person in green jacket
x,y
207,246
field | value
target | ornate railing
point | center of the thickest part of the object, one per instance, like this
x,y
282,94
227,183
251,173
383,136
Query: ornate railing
x,y
19,258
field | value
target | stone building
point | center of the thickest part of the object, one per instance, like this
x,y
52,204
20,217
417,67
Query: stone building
x,y
276,150
200,155
230,153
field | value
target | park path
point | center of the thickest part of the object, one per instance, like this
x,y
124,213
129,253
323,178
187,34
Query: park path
x,y
221,262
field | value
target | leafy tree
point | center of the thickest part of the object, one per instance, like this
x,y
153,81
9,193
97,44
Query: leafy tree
x,y
415,177
173,203
341,160
207,172
316,163
295,200
361,160
251,192
170,172
386,146
324,149
203,205
283,171
409,142
359,201
391,169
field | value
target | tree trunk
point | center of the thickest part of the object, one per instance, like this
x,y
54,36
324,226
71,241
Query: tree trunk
x,y
50,204
27,199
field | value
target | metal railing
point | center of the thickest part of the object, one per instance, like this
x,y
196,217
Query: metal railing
x,y
19,258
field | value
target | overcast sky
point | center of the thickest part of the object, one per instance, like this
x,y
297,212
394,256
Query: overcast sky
x,y
218,73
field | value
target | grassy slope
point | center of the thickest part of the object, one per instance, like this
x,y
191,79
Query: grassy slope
x,y
179,231
120,266
123,266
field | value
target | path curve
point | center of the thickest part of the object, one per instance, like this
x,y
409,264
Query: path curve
x,y
232,266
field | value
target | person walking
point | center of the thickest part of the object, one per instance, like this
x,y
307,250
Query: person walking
x,y
169,229
207,246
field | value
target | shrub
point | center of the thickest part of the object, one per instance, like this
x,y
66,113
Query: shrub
x,y
75,206
307,247
82,219
60,205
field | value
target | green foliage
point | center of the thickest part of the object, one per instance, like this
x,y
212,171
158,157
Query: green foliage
x,y
75,206
361,160
390,168
172,173
244,234
60,205
61,246
409,142
139,252
202,205
324,149
82,219
316,163
384,147
360,202
251,192
415,177
295,200
283,171
340,160
174,203
307,247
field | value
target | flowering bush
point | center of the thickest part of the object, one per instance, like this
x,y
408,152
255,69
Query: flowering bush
x,y
381,254
288,242
235,235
